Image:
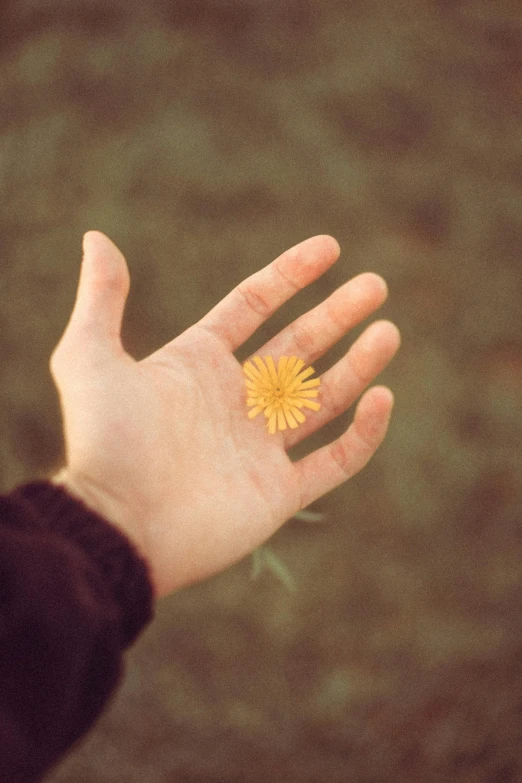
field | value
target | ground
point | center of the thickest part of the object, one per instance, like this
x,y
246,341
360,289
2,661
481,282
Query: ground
x,y
205,137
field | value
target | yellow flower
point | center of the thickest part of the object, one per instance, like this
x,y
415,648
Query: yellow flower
x,y
280,393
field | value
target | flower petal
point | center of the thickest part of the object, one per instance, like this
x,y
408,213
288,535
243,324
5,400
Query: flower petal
x,y
298,365
280,392
281,369
290,419
272,370
295,402
310,384
298,415
301,377
315,406
251,372
262,369
291,362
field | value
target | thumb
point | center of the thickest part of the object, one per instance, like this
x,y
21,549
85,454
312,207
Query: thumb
x,y
102,290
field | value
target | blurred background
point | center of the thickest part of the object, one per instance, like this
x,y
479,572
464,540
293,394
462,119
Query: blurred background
x,y
205,137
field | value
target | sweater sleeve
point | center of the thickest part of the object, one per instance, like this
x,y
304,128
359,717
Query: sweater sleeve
x,y
74,594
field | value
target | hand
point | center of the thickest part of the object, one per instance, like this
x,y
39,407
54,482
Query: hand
x,y
163,448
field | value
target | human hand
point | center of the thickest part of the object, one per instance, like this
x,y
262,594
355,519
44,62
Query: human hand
x,y
163,448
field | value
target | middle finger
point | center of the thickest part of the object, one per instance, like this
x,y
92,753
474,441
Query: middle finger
x,y
313,333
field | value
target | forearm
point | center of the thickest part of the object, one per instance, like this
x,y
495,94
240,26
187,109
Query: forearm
x,y
73,595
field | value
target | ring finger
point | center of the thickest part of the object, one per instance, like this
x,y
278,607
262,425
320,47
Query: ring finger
x,y
313,333
349,377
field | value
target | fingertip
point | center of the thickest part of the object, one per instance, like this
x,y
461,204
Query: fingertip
x,y
89,238
327,244
94,240
105,259
335,246
373,413
334,241
388,331
377,402
383,285
370,287
384,396
396,334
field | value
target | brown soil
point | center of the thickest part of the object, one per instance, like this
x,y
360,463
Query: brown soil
x,y
205,137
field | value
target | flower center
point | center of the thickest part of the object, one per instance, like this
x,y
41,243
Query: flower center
x,y
277,396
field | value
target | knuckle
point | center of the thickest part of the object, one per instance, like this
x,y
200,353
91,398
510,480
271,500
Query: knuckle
x,y
334,404
373,433
337,317
361,367
53,363
367,436
56,361
339,454
293,284
64,356
254,299
304,340
114,282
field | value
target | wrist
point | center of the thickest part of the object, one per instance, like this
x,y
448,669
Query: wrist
x,y
99,501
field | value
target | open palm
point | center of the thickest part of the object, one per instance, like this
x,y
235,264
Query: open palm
x,y
163,447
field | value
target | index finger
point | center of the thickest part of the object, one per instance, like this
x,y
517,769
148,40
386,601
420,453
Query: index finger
x,y
249,304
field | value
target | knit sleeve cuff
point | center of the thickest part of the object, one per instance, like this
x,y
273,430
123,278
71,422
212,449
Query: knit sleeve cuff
x,y
124,572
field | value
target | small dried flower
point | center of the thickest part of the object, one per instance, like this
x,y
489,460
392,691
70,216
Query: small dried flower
x,y
280,393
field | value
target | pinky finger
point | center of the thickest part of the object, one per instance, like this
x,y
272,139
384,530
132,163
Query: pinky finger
x,y
328,467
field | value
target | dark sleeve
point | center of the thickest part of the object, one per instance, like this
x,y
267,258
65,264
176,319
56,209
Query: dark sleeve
x,y
73,595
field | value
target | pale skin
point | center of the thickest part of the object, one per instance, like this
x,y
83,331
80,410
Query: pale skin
x,y
163,449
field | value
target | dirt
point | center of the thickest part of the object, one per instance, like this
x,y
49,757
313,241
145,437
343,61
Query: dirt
x,y
205,137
